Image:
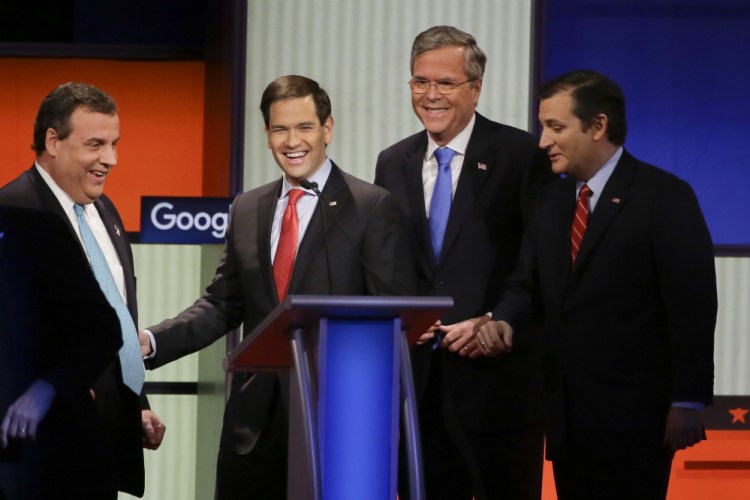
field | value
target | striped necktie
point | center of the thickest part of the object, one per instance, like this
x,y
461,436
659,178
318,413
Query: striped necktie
x,y
580,222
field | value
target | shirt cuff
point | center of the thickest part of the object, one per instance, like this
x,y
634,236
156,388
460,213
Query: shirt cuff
x,y
152,341
691,405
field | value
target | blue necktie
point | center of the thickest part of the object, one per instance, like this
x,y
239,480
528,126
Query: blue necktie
x,y
131,363
440,204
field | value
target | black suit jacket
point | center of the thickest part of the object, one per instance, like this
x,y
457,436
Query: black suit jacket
x,y
55,325
501,174
119,408
629,329
243,290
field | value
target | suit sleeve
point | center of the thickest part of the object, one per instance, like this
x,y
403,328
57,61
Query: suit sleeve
x,y
212,316
386,250
686,277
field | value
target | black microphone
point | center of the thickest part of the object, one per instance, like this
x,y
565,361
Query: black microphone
x,y
313,186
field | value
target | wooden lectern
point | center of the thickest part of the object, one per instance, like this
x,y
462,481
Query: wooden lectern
x,y
348,358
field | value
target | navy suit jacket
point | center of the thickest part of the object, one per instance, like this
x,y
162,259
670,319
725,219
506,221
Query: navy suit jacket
x,y
243,290
119,408
55,326
502,172
630,328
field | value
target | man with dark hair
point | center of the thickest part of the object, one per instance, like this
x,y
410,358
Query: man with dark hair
x,y
275,246
481,419
75,137
50,438
618,262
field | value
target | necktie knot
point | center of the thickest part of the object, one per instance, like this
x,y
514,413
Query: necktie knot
x,y
295,195
79,209
585,194
444,157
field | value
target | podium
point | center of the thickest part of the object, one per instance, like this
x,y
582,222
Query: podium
x,y
349,366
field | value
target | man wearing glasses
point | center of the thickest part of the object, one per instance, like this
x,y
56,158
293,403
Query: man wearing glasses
x,y
467,185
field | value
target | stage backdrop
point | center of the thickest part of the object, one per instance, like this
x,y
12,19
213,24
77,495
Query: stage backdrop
x,y
358,50
684,69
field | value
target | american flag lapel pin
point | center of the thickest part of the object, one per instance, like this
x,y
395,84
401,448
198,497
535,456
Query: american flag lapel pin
x,y
482,166
117,230
615,200
332,203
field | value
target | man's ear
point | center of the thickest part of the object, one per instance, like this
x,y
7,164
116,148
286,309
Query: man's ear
x,y
599,126
51,138
328,130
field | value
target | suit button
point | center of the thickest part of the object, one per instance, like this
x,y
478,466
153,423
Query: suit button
x,y
439,284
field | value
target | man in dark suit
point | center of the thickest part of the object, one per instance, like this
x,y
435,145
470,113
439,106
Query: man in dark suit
x,y
75,137
50,436
619,263
252,277
481,420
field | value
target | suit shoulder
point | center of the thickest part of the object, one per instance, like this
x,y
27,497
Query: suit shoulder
x,y
507,134
658,177
406,145
361,188
18,192
253,195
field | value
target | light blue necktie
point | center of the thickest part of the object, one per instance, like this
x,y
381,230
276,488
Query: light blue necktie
x,y
440,204
131,362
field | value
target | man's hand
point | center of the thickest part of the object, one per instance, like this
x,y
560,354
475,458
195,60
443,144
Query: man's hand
x,y
429,334
153,430
460,337
494,338
145,340
24,415
684,428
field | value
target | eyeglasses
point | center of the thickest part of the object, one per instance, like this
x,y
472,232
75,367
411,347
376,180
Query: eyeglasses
x,y
443,88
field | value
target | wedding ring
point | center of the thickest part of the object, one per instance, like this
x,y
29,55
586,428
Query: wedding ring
x,y
484,346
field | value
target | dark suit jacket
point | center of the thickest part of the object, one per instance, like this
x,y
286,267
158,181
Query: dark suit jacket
x,y
243,290
502,171
630,329
119,408
55,325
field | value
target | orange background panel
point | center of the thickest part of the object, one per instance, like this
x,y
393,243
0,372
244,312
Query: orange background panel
x,y
723,447
161,122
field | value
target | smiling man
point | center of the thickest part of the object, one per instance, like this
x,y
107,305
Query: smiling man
x,y
275,246
76,132
467,185
618,263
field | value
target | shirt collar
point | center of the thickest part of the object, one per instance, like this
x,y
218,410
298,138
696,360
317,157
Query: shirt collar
x,y
62,197
600,178
458,144
320,177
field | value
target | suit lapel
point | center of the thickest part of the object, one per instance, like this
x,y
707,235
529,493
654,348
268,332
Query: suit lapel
x,y
612,199
49,202
415,195
335,190
477,166
555,236
266,208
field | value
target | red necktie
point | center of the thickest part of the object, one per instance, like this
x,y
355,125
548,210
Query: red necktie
x,y
283,262
580,221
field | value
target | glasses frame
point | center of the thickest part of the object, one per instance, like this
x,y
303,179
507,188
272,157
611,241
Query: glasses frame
x,y
452,87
